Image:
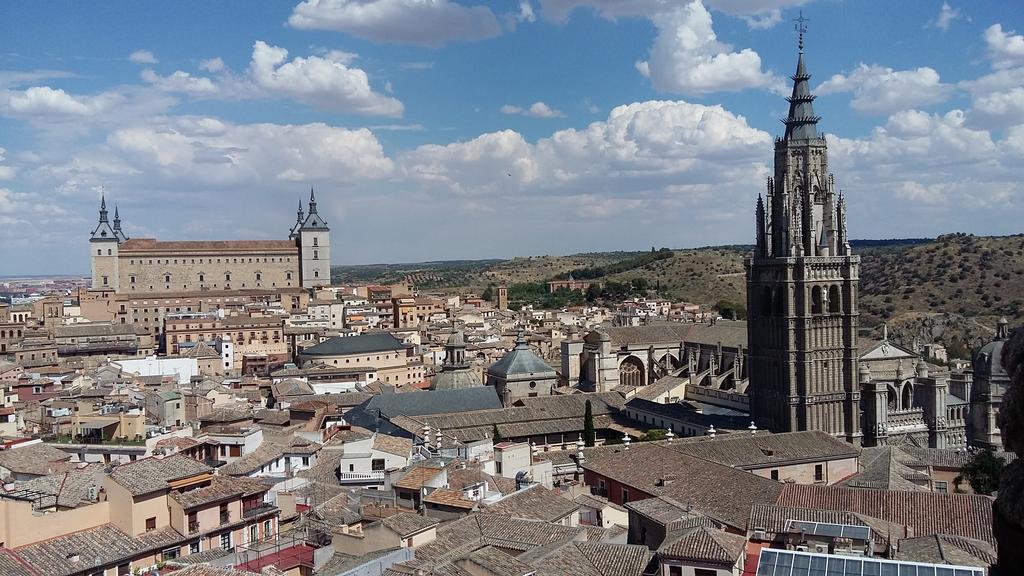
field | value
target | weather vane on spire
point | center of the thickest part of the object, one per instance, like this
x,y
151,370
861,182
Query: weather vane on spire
x,y
801,28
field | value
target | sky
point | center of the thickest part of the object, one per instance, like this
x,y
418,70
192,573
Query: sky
x,y
451,129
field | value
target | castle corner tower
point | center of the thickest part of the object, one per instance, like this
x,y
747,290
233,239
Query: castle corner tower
x,y
103,244
802,287
314,240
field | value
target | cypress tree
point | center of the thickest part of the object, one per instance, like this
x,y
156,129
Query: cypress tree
x,y
589,436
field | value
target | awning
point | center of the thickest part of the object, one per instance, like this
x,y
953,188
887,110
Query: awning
x,y
98,424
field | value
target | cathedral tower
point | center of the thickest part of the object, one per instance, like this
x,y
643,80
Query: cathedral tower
x,y
802,287
315,248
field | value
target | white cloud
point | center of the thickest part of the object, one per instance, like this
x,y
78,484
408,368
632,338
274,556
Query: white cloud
x,y
418,22
1005,48
180,82
687,57
663,148
536,110
43,100
880,90
526,13
6,172
758,14
416,65
210,151
212,65
999,108
320,82
143,57
947,14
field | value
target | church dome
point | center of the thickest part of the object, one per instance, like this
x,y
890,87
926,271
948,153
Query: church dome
x,y
456,339
989,359
520,361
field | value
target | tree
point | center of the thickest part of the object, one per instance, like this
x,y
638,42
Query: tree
x,y
589,436
654,435
495,435
488,294
982,472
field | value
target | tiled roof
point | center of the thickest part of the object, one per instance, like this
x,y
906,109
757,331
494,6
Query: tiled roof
x,y
703,544
406,524
95,547
534,503
64,489
722,492
362,344
668,333
498,563
459,478
392,445
153,474
665,511
760,450
944,458
880,469
416,477
925,513
947,549
448,497
273,417
221,488
660,386
594,559
208,570
153,245
11,565
596,502
37,459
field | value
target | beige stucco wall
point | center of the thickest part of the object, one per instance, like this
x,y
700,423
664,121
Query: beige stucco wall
x,y
185,269
19,525
833,471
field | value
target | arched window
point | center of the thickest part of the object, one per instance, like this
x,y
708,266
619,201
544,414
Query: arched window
x,y
816,300
766,301
834,300
892,399
908,396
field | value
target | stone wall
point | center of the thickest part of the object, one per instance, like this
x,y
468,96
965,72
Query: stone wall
x,y
228,270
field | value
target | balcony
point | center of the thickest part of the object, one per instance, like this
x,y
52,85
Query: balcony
x,y
361,477
255,511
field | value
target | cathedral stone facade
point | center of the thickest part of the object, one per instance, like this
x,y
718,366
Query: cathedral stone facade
x,y
144,265
802,288
808,369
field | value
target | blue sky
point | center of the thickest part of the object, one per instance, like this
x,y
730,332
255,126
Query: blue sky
x,y
436,129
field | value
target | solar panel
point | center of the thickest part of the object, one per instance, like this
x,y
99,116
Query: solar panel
x,y
793,563
830,530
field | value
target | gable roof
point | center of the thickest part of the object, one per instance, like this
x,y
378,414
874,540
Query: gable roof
x,y
362,344
722,492
703,544
152,474
925,513
429,402
758,450
534,503
36,459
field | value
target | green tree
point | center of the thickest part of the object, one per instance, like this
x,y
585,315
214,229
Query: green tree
x,y
495,435
593,293
589,435
488,294
653,435
982,472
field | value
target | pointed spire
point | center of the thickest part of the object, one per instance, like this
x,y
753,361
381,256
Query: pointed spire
x,y
300,213
312,201
801,123
103,206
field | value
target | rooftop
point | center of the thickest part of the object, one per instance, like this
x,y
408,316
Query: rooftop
x,y
153,474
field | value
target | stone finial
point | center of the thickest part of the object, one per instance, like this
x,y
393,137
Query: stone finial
x,y
669,435
921,368
752,428
625,441
711,431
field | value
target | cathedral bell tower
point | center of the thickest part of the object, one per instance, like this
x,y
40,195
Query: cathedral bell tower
x,y
802,287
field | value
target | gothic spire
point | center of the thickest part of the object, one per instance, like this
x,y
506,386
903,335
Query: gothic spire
x,y
801,123
103,206
312,201
300,213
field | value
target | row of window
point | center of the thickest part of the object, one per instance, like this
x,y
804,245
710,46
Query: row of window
x,y
202,277
208,260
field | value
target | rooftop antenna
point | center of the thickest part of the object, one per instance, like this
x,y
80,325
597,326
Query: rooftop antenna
x,y
801,28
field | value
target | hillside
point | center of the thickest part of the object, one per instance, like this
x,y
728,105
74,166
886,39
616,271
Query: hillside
x,y
951,289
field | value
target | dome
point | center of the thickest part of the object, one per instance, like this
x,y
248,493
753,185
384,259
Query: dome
x,y
456,339
520,361
989,359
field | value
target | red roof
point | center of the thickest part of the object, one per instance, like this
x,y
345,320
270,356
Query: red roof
x,y
153,245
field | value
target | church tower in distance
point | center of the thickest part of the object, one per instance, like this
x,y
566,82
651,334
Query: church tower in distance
x,y
802,288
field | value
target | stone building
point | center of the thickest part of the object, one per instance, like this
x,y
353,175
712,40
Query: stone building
x,y
808,370
146,265
521,374
456,372
986,398
802,287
